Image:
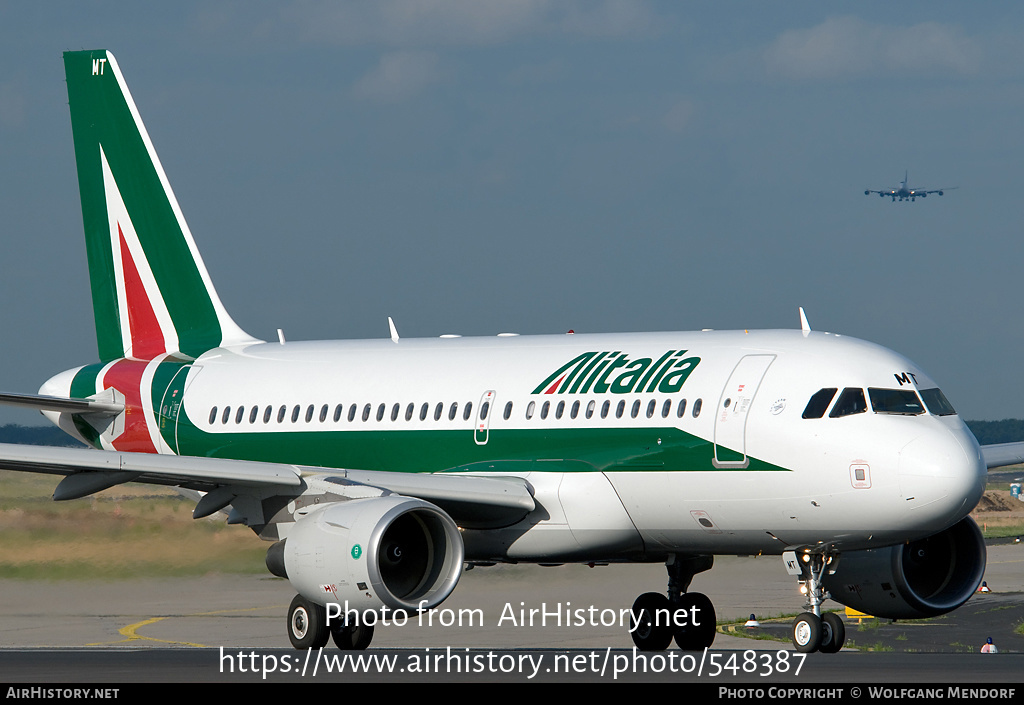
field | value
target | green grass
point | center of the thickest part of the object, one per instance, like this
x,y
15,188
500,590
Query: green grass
x,y
126,531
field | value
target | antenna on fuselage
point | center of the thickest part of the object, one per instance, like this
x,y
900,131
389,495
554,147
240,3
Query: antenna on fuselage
x,y
804,325
394,331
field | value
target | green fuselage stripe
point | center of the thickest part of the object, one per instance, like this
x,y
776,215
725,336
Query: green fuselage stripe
x,y
604,449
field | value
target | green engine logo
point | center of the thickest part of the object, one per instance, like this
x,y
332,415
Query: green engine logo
x,y
357,551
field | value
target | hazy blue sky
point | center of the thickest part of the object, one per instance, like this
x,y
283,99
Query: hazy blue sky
x,y
538,165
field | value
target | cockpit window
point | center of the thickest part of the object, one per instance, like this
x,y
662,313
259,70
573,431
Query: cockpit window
x,y
937,403
851,401
895,401
819,403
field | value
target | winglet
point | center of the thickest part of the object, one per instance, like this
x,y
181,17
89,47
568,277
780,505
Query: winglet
x,y
394,331
804,325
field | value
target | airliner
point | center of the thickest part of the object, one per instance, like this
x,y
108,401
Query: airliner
x,y
379,470
903,192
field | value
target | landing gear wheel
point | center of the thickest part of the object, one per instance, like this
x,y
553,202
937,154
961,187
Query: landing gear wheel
x,y
807,633
648,634
699,617
307,624
351,638
833,633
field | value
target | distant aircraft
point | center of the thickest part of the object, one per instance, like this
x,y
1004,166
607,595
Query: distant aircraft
x,y
380,469
905,193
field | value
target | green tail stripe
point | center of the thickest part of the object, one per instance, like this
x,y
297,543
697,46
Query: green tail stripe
x,y
101,115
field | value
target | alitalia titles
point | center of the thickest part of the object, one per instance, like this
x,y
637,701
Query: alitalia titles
x,y
615,373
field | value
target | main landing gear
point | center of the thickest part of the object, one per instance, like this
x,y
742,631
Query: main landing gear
x,y
308,628
814,631
688,617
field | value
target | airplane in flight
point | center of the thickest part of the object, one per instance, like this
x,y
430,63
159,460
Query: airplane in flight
x,y
903,192
378,470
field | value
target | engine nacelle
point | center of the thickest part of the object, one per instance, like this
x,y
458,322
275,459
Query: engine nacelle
x,y
923,578
379,553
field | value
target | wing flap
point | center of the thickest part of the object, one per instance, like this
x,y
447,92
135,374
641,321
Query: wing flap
x,y
472,500
145,467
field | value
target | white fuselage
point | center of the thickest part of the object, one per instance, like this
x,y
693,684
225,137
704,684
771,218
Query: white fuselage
x,y
746,474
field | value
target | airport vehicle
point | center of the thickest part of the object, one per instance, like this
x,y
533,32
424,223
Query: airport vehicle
x,y
903,192
378,469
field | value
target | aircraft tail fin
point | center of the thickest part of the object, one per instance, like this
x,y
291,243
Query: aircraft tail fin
x,y
151,292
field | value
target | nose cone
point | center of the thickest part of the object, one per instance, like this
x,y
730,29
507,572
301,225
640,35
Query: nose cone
x,y
942,474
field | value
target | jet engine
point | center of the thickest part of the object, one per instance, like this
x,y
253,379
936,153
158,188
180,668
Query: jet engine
x,y
923,578
376,554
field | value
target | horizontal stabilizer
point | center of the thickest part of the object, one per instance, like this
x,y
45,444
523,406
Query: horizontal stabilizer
x,y
69,406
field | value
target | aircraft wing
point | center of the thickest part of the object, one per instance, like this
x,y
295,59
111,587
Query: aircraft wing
x,y
465,497
1001,454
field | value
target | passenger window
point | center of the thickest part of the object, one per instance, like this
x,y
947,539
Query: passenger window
x,y
309,413
636,409
574,412
253,414
438,410
227,414
605,408
239,414
281,412
424,410
394,411
544,409
468,411
409,411
696,407
651,406
559,409
267,413
352,413
529,410
295,413
453,411
850,402
620,409
508,411
895,401
591,405
213,414
323,413
937,403
666,408
681,410
484,408
366,412
819,402
337,413
380,411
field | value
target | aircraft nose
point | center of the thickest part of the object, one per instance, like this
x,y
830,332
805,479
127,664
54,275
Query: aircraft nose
x,y
942,474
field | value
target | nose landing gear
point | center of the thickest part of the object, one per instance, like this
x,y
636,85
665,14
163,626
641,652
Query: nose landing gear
x,y
814,631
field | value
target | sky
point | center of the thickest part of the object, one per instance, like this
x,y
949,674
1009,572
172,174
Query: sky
x,y
536,166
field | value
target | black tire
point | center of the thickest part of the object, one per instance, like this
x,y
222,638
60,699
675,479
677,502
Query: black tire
x,y
351,638
699,634
307,624
807,633
649,634
833,633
